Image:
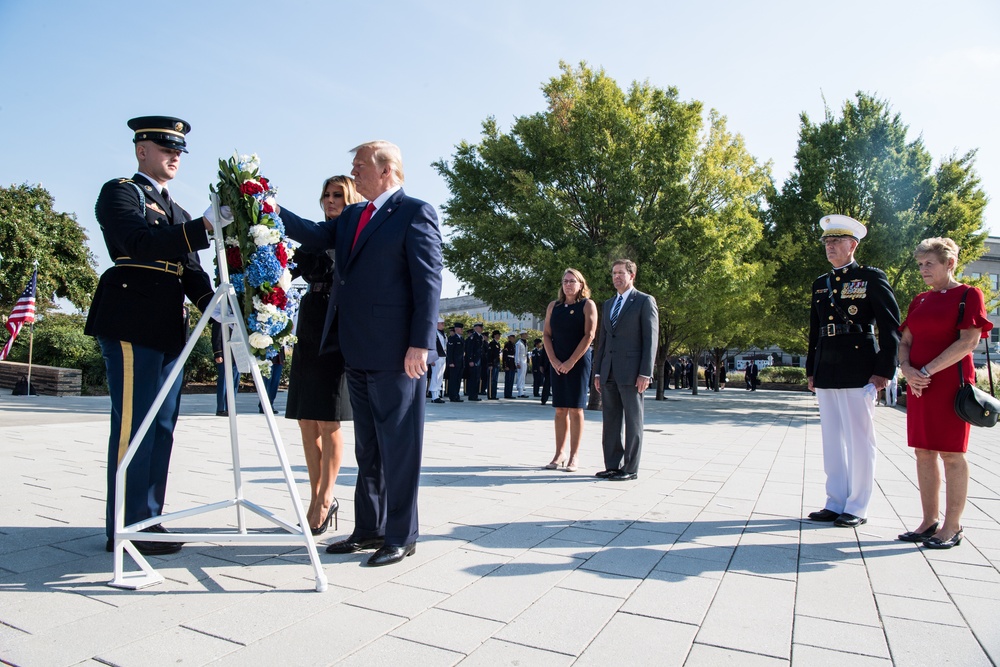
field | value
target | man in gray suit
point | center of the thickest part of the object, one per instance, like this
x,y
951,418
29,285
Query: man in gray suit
x,y
630,325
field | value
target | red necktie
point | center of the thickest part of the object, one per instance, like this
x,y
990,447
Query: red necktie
x,y
366,215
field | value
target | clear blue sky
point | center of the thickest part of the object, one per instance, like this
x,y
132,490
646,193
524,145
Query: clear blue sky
x,y
300,83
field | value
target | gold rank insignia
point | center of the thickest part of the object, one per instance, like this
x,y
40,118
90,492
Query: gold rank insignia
x,y
156,207
179,127
853,310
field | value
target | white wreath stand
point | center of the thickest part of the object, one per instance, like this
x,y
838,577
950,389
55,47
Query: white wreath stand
x,y
235,351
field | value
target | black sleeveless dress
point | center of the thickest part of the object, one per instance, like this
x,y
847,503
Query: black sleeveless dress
x,y
567,326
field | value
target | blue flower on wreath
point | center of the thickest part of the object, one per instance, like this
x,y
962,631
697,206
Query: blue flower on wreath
x,y
236,280
275,221
264,267
267,327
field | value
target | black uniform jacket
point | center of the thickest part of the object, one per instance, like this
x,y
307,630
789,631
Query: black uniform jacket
x,y
848,302
143,304
474,349
456,350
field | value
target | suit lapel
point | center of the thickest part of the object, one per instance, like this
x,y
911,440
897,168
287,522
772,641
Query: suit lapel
x,y
347,226
377,220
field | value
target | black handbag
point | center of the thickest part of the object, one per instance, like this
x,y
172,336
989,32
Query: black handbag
x,y
972,404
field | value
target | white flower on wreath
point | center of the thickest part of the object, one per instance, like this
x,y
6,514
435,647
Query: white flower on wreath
x,y
288,340
285,281
249,163
265,367
260,341
232,242
264,235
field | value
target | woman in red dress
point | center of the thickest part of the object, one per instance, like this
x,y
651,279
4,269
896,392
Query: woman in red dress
x,y
932,344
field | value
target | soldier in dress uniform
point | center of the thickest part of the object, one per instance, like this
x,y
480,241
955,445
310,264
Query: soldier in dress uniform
x,y
853,339
137,314
456,363
474,359
493,350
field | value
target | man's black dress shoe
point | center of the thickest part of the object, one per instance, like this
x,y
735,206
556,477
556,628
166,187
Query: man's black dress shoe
x,y
350,545
846,520
222,413
911,536
824,515
389,555
457,400
604,474
150,548
622,476
438,400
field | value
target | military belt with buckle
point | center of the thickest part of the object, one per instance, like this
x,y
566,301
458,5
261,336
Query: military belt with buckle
x,y
841,329
173,268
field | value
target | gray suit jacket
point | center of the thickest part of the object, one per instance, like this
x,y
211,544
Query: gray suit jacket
x,y
630,347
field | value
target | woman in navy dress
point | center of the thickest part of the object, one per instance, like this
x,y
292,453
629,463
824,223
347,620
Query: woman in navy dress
x,y
317,386
570,325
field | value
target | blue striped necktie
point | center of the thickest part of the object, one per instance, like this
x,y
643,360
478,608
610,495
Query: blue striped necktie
x,y
615,310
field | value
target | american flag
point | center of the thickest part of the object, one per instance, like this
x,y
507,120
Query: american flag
x,y
24,312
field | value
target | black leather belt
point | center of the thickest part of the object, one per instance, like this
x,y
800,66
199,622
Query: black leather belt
x,y
174,268
841,329
322,288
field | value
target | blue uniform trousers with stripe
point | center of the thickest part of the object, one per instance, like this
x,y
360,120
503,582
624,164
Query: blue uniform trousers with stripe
x,y
135,375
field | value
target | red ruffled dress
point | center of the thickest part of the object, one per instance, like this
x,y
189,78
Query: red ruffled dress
x,y
931,422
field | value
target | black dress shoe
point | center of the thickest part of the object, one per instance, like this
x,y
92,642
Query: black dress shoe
x,y
846,520
222,413
824,515
150,548
350,545
938,543
438,400
622,476
911,536
458,400
389,555
604,474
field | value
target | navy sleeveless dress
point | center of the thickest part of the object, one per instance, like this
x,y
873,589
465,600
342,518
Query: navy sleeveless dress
x,y
567,326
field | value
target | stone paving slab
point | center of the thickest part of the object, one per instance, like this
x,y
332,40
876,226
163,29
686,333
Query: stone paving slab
x,y
704,560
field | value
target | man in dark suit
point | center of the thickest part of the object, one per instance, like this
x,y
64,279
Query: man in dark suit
x,y
386,291
847,367
630,328
137,314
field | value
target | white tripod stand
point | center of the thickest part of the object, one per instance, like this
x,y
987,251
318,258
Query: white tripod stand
x,y
234,351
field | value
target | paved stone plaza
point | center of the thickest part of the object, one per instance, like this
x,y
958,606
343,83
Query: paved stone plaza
x,y
704,560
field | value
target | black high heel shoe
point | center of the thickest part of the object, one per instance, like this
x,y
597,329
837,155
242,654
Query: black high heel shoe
x,y
332,514
911,536
938,543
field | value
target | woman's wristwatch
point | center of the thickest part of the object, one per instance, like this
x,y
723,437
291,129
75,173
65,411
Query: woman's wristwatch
x,y
924,371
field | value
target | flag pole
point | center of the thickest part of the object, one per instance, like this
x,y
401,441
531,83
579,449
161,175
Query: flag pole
x,y
31,339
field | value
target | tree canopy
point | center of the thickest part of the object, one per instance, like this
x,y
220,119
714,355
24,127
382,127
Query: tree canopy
x,y
30,230
863,165
601,174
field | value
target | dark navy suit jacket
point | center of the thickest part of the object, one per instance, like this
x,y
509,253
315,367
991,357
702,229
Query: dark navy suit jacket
x,y
386,289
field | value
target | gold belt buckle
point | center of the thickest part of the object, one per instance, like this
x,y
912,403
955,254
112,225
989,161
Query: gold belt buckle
x,y
831,329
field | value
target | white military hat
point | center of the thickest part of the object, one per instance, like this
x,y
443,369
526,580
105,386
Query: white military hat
x,y
841,225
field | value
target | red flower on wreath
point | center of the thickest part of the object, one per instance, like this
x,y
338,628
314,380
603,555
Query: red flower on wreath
x,y
266,208
265,184
251,188
279,252
276,297
234,258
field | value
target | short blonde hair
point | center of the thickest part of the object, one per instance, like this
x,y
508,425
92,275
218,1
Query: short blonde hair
x,y
346,183
383,153
584,290
940,246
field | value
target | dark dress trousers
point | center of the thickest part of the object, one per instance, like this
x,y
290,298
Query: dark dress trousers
x,y
473,363
456,366
137,316
386,291
625,351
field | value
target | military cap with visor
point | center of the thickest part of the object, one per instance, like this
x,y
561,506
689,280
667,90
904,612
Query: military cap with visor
x,y
165,131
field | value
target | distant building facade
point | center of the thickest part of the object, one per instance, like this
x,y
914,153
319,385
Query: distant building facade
x,y
460,305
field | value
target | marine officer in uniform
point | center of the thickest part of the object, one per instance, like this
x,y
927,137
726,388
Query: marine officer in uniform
x,y
456,363
853,339
473,360
137,314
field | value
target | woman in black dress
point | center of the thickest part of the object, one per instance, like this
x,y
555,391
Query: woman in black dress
x,y
570,325
317,386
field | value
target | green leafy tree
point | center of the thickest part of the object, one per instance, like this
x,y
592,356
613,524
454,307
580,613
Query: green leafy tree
x,y
862,164
31,231
601,174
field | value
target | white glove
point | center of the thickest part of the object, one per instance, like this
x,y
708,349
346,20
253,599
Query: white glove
x,y
227,216
216,313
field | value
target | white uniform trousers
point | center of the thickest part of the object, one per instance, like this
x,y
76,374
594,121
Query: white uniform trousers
x,y
849,448
437,377
522,374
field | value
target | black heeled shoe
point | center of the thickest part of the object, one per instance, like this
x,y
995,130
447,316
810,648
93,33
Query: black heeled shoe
x,y
938,543
332,514
911,536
